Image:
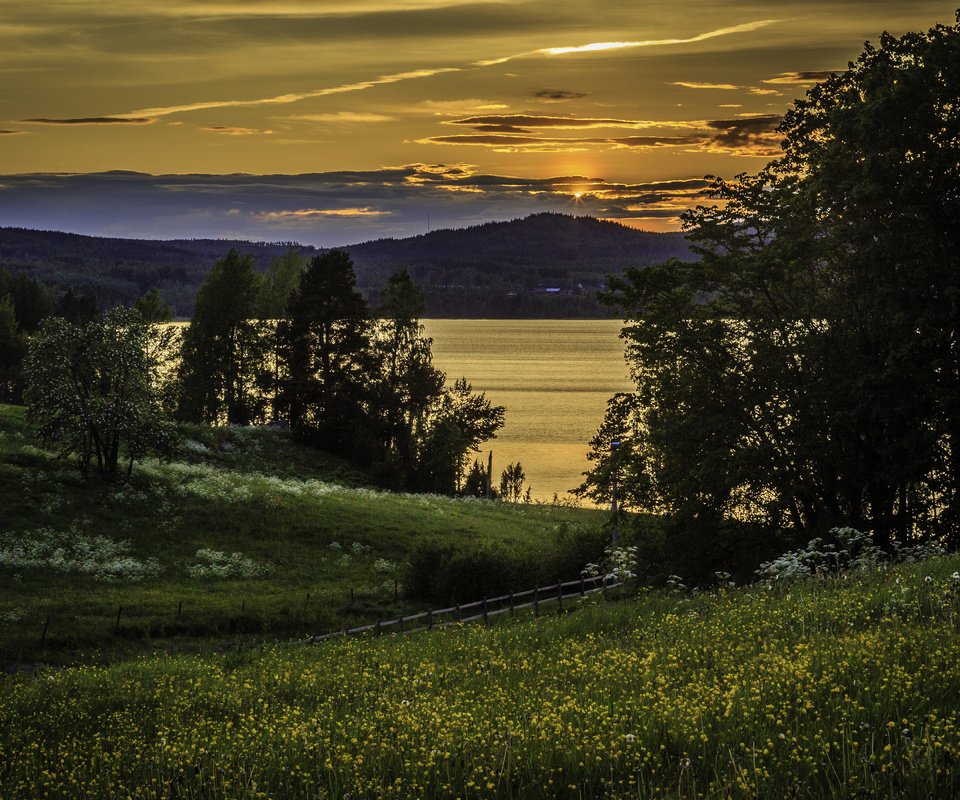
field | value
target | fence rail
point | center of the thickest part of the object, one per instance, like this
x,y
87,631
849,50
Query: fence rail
x,y
489,607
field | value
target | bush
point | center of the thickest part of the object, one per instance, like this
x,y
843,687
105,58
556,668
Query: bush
x,y
441,573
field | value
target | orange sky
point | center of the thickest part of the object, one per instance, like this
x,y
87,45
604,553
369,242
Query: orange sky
x,y
390,110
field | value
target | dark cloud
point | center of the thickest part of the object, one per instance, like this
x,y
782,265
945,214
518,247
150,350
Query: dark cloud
x,y
748,135
500,129
647,141
558,95
560,143
537,121
792,78
232,130
9,133
490,139
330,208
92,121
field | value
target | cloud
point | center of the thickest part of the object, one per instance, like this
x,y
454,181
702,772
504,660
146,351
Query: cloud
x,y
10,133
747,135
755,90
517,143
595,47
231,130
327,209
557,95
293,97
132,117
346,117
306,214
800,78
696,85
125,120
538,121
750,134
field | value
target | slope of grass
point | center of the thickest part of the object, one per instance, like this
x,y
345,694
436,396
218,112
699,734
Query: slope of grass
x,y
839,688
321,550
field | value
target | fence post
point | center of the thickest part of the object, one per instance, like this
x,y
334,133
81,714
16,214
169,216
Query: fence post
x,y
486,620
536,602
459,613
352,601
511,604
583,588
560,597
604,587
379,630
179,609
430,620
401,623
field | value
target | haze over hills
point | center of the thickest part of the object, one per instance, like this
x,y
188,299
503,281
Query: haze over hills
x,y
544,265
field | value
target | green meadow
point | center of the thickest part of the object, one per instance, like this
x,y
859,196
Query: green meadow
x,y
244,537
835,688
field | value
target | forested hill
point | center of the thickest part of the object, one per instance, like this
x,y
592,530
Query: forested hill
x,y
546,265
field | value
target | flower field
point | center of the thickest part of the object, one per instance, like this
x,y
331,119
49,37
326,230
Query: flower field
x,y
841,687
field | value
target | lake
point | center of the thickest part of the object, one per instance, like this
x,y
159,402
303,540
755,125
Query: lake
x,y
553,376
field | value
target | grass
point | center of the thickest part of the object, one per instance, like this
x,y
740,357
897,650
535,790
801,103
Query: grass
x,y
843,687
330,547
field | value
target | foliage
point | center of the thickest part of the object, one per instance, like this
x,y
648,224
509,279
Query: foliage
x,y
91,389
513,488
152,307
217,564
328,358
836,688
75,551
804,374
13,347
279,283
223,372
407,387
849,550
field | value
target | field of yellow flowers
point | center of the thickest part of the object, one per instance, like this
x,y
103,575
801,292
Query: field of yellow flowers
x,y
843,687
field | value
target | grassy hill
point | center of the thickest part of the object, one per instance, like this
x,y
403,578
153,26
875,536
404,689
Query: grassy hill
x,y
838,688
245,535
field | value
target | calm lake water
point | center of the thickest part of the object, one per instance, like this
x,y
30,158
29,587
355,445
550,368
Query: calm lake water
x,y
553,376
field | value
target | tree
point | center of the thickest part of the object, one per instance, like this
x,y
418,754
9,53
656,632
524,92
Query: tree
x,y
13,347
152,308
459,422
224,373
328,358
805,372
408,386
513,486
93,389
279,283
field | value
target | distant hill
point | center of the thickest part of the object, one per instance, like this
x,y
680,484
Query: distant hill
x,y
545,265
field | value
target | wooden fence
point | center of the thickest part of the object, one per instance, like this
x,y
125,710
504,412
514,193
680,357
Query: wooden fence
x,y
483,609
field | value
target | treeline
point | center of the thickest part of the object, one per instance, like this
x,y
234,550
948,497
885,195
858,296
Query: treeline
x,y
804,374
297,346
494,270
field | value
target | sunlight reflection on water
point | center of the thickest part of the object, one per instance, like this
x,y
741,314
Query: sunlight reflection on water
x,y
553,376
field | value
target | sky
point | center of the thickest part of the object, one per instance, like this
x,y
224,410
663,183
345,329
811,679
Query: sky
x,y
332,122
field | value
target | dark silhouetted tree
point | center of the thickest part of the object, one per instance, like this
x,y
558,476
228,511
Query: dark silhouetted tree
x,y
224,374
328,359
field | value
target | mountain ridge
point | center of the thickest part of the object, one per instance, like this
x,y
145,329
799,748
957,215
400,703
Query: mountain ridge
x,y
542,265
